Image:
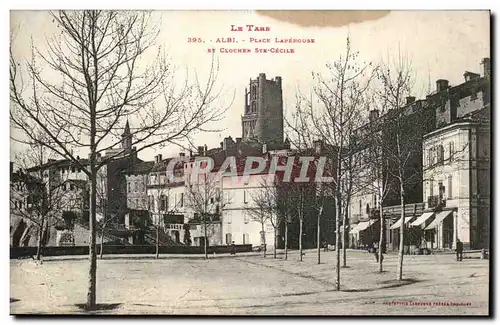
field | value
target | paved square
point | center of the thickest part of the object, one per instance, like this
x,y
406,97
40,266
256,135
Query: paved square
x,y
253,285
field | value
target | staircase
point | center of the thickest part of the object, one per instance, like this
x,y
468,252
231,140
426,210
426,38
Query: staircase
x,y
164,239
107,233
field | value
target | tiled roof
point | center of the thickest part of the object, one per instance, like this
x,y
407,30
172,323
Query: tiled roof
x,y
58,163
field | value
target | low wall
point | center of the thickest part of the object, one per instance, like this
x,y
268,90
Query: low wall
x,y
17,252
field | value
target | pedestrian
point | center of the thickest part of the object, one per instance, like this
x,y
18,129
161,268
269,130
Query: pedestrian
x,y
233,249
376,252
459,249
325,246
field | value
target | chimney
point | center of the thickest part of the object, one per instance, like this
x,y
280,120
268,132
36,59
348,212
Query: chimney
x,y
205,150
486,62
470,75
200,151
441,85
373,115
410,99
264,148
78,158
222,145
181,154
190,153
158,158
238,144
228,143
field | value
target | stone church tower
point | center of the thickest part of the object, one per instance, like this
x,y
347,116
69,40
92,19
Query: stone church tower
x,y
263,118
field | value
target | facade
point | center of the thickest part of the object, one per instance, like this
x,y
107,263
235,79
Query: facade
x,y
263,114
375,168
241,223
457,182
165,199
449,122
457,164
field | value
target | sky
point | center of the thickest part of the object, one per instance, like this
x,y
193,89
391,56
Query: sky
x,y
440,45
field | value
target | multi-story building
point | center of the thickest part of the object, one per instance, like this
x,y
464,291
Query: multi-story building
x,y
457,164
440,115
375,169
26,192
165,197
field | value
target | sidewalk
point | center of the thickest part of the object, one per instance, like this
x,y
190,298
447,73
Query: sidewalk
x,y
153,256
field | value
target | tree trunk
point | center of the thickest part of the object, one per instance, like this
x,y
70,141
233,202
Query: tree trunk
x,y
102,242
205,242
381,242
401,237
343,232
91,295
318,239
275,241
286,240
337,242
40,240
263,239
157,242
300,238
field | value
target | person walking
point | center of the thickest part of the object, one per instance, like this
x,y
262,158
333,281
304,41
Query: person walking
x,y
233,249
459,249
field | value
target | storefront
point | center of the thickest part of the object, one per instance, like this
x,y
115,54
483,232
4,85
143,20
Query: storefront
x,y
364,234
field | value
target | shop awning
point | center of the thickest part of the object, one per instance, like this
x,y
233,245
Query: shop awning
x,y
398,223
362,226
420,220
439,218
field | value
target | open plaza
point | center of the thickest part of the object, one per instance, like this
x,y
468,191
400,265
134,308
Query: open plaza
x,y
248,284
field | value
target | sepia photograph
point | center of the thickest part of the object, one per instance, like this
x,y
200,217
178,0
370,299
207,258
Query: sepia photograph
x,y
250,162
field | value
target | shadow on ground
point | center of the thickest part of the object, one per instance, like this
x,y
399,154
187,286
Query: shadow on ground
x,y
98,307
388,284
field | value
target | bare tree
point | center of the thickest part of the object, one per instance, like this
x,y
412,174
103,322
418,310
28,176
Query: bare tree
x,y
159,206
267,209
284,209
261,211
103,207
397,80
93,80
373,178
341,93
205,199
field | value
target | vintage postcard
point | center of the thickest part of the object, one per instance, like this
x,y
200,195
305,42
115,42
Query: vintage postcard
x,y
250,162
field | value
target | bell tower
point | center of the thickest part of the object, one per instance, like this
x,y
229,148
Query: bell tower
x,y
263,113
127,137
